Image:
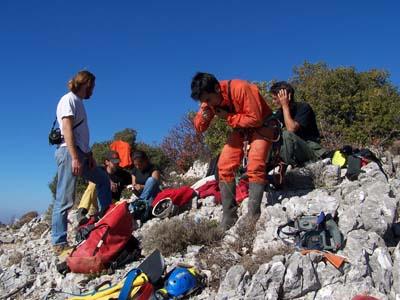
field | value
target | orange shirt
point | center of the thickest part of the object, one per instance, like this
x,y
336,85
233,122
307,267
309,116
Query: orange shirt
x,y
124,152
247,108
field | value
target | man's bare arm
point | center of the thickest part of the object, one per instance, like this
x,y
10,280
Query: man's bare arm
x,y
68,131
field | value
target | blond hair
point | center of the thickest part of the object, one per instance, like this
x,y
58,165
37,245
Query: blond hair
x,y
81,78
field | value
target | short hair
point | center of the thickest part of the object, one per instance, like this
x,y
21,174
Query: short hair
x,y
81,78
203,82
139,154
282,85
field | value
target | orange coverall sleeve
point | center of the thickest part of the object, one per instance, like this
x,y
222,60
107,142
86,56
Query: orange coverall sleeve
x,y
201,124
251,116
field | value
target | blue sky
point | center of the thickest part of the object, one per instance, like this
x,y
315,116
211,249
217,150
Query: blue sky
x,y
144,54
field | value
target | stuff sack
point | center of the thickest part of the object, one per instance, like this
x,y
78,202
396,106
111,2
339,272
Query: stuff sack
x,y
104,242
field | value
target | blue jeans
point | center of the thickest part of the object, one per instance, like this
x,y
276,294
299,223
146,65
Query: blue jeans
x,y
150,190
65,193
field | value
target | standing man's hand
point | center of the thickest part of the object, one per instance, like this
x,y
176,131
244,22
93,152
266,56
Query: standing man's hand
x,y
76,167
284,98
92,161
206,114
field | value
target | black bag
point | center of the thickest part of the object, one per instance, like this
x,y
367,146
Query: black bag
x,y
55,136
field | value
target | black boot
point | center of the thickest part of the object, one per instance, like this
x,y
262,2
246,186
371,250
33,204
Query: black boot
x,y
81,216
229,207
256,192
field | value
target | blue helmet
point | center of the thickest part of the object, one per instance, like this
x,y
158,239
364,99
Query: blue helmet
x,y
180,282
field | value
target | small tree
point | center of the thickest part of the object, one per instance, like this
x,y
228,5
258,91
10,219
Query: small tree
x,y
127,135
358,108
183,145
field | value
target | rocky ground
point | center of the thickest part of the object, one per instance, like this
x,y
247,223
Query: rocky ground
x,y
250,262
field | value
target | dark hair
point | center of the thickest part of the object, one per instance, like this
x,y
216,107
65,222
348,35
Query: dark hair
x,y
139,154
281,85
203,82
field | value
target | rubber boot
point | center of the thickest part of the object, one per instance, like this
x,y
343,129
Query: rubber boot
x,y
229,207
256,192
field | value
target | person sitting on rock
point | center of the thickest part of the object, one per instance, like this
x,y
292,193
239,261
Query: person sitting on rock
x,y
300,140
119,179
244,109
145,180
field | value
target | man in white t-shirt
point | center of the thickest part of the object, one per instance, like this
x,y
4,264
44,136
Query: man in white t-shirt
x,y
74,158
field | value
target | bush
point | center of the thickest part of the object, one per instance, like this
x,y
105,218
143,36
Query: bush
x,y
183,145
127,135
26,218
357,108
174,235
156,155
100,151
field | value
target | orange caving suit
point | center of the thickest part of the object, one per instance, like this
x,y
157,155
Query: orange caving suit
x,y
247,109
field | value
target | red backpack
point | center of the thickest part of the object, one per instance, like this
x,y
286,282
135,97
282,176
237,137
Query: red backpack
x,y
108,237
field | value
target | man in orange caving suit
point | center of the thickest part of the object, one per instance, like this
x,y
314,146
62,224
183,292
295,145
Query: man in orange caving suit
x,y
244,109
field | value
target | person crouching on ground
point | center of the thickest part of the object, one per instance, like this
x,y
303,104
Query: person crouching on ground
x,y
119,179
300,140
244,109
145,180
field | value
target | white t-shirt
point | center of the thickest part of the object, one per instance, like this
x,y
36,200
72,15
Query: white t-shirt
x,y
72,105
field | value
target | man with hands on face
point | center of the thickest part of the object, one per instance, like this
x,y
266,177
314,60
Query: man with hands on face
x,y
244,109
300,140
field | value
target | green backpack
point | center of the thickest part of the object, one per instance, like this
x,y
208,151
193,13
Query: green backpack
x,y
314,232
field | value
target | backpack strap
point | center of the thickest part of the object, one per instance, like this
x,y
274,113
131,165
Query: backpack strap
x,y
54,124
77,125
290,224
127,287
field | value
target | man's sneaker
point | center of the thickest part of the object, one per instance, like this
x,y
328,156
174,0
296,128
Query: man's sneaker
x,y
81,216
62,249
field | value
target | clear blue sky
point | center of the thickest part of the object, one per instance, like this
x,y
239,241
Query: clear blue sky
x,y
144,54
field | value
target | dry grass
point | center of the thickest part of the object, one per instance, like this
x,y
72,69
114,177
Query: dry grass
x,y
38,230
252,262
14,258
29,216
246,232
174,235
218,261
395,148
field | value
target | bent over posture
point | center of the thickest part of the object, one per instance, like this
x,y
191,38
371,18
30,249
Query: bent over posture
x,y
244,109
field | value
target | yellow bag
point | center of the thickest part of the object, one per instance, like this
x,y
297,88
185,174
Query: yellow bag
x,y
338,159
112,292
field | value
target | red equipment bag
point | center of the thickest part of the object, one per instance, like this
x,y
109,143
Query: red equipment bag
x,y
107,238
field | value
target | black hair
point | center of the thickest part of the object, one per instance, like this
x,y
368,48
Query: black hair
x,y
139,154
203,82
282,85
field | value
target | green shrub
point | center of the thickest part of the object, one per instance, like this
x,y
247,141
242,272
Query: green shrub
x,y
358,108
